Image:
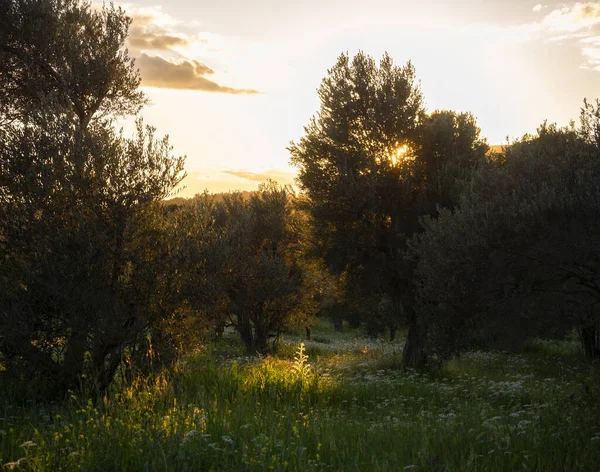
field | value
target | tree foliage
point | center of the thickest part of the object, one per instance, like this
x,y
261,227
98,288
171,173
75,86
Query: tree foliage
x,y
518,258
55,52
372,162
75,195
245,264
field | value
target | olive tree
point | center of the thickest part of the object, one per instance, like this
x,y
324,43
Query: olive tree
x,y
262,269
518,258
372,162
75,194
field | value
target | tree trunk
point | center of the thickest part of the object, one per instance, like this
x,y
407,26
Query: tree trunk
x,y
261,338
243,327
106,361
393,332
107,374
414,355
74,359
307,328
118,258
590,341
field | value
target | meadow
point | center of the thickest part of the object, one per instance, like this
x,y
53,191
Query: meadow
x,y
339,402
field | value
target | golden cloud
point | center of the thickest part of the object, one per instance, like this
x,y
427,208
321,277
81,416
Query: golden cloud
x,y
587,10
184,75
148,31
153,32
282,177
155,41
575,18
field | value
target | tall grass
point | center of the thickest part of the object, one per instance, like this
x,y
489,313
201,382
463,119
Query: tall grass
x,y
345,407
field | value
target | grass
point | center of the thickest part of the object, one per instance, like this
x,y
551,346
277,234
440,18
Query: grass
x,y
347,407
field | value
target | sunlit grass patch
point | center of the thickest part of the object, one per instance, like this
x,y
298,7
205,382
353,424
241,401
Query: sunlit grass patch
x,y
337,409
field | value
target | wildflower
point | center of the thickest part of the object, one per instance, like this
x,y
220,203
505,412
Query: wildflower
x,y
188,437
14,465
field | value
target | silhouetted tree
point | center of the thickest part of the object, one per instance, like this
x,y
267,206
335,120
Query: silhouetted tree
x,y
65,53
75,195
372,163
518,258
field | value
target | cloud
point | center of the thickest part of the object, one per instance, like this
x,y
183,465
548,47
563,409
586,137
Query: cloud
x,y
565,37
595,40
184,75
155,41
280,176
588,10
539,7
153,30
578,22
572,19
591,51
170,55
150,16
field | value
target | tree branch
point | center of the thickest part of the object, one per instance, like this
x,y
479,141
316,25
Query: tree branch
x,y
58,79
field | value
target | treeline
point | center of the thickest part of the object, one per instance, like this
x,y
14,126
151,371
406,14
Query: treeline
x,y
405,220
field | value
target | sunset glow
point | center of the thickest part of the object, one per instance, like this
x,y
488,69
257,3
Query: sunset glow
x,y
234,83
399,154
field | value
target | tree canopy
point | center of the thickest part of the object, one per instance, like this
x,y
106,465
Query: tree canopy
x,y
55,52
518,257
74,192
372,162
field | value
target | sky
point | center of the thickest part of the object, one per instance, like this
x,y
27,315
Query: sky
x,y
232,82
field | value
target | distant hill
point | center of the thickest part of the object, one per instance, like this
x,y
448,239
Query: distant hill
x,y
495,149
217,196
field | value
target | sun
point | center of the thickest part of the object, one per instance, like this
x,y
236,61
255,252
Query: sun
x,y
399,154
